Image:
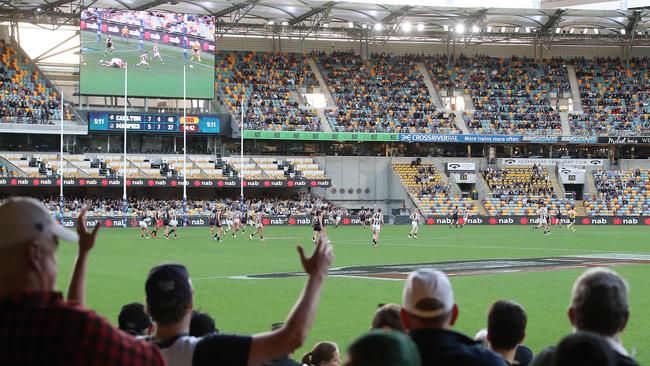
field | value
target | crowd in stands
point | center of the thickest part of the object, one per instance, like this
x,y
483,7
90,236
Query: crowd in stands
x,y
510,96
25,95
521,190
270,83
430,191
382,94
298,205
622,192
420,331
614,97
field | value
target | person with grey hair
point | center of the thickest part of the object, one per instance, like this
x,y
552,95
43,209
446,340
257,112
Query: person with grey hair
x,y
599,304
428,313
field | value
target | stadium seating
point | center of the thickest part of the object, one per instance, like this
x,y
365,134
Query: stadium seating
x,y
614,97
382,94
620,193
431,192
517,191
25,95
269,82
510,96
160,166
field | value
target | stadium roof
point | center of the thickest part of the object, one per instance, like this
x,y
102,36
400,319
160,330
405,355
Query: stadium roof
x,y
377,20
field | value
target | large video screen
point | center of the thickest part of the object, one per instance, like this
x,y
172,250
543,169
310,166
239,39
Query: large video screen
x,y
154,46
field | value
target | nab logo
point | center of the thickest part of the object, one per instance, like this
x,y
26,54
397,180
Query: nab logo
x,y
197,222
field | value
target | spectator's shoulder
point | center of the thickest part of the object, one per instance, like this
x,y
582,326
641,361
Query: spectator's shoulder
x,y
622,360
103,344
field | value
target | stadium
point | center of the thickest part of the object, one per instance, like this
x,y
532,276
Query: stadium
x,y
469,181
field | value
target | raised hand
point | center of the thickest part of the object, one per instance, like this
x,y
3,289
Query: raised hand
x,y
86,238
319,263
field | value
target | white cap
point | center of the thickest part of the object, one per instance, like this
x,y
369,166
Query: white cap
x,y
23,219
427,283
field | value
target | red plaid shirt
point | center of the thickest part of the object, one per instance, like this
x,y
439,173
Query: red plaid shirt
x,y
42,329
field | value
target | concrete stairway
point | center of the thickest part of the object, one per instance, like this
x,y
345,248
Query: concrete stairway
x,y
564,119
325,124
575,89
557,187
590,184
580,208
482,187
433,91
454,189
460,122
481,209
330,103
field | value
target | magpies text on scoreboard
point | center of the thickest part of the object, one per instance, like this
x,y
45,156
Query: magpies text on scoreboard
x,y
152,122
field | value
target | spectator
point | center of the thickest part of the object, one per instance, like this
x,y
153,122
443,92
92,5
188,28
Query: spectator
x,y
584,349
201,324
599,304
323,354
134,320
429,312
37,327
169,297
285,360
387,317
506,329
383,348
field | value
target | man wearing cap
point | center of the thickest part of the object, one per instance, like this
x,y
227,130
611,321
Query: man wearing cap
x,y
428,313
134,320
169,298
37,327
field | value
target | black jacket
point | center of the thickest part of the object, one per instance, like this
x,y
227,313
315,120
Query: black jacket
x,y
441,347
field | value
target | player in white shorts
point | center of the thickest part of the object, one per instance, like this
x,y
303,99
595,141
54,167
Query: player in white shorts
x,y
542,213
114,62
144,225
415,222
377,221
259,227
156,53
173,222
337,218
143,60
465,217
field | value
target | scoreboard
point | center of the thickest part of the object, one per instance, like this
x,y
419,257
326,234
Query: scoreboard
x,y
153,122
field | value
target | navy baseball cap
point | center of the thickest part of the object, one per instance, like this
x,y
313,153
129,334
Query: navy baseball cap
x,y
167,285
133,319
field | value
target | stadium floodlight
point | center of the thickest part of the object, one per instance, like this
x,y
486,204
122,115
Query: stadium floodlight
x,y
406,27
503,29
445,27
572,30
475,29
460,28
584,31
420,27
378,27
285,23
270,22
623,31
325,25
489,29
596,31
364,26
516,29
39,9
527,29
558,30
350,25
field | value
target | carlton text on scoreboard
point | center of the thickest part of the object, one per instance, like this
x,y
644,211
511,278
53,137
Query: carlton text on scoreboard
x,y
153,122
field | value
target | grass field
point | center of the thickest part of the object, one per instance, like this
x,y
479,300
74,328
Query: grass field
x,y
160,81
120,262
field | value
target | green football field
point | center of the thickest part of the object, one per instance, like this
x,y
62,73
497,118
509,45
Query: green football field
x,y
119,264
162,80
